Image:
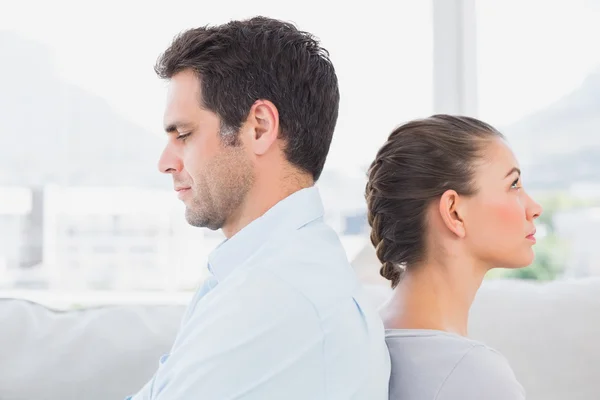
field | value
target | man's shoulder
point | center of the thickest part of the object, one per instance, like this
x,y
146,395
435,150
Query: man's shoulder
x,y
284,279
256,297
308,266
310,260
316,248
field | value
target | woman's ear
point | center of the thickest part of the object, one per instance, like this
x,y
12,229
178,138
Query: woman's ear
x,y
450,210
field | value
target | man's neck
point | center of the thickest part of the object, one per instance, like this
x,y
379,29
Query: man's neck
x,y
261,198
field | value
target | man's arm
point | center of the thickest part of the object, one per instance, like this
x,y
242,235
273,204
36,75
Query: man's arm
x,y
257,338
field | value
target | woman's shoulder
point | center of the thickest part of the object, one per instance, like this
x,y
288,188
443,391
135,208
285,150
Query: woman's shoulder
x,y
448,345
449,367
481,373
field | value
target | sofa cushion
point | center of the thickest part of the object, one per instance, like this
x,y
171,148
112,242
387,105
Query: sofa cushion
x,y
548,331
98,353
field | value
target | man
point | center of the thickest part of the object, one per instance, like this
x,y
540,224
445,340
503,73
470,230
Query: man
x,y
251,110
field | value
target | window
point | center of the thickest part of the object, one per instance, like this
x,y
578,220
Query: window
x,y
82,118
539,82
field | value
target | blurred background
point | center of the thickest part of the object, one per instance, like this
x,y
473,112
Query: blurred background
x,y
86,218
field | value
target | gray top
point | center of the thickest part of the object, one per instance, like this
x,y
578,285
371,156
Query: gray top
x,y
436,365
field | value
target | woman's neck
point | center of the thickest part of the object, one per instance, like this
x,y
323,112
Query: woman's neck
x,y
433,296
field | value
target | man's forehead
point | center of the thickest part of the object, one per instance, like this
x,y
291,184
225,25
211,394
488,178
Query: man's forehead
x,y
183,101
183,89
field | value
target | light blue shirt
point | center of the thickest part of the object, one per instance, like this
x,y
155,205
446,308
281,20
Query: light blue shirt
x,y
282,317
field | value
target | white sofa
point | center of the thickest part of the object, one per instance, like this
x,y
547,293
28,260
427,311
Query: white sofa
x,y
98,353
549,332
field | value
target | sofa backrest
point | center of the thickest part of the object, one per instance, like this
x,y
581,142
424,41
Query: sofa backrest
x,y
548,332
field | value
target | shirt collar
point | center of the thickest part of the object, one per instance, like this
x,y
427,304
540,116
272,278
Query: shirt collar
x,y
289,214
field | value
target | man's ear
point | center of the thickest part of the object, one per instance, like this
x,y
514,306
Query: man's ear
x,y
450,208
262,126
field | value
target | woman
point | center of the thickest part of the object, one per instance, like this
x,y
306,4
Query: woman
x,y
446,205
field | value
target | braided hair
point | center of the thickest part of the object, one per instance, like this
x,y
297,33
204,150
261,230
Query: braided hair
x,y
419,162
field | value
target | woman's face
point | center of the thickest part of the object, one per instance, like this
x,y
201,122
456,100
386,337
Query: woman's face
x,y
499,219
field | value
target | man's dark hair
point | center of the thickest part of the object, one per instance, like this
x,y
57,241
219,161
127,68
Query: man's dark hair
x,y
261,58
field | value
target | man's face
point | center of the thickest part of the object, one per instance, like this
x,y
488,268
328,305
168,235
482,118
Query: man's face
x,y
211,176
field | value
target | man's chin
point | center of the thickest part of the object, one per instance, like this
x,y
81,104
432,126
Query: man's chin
x,y
200,220
194,218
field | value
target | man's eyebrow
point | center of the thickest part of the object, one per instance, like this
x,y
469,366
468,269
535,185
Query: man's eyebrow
x,y
175,126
